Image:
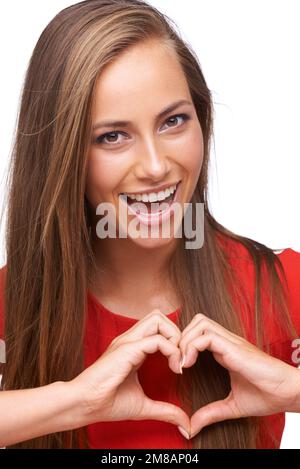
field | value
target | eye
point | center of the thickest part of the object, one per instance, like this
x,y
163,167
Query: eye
x,y
108,136
184,117
113,134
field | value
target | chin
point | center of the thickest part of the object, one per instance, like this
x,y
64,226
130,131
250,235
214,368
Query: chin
x,y
152,243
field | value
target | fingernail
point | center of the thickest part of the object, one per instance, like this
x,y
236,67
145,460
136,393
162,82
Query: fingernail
x,y
182,363
184,432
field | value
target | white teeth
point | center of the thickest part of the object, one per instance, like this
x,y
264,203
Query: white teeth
x,y
161,195
153,196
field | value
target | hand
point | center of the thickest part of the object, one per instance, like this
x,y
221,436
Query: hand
x,y
110,386
260,384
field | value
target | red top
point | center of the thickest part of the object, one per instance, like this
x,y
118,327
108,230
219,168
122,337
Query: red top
x,y
156,377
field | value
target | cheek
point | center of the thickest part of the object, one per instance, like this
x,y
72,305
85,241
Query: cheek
x,y
191,153
103,177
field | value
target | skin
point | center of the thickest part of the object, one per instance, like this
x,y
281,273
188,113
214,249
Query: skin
x,y
136,87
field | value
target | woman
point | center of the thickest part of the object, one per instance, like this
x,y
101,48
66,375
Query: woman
x,y
98,330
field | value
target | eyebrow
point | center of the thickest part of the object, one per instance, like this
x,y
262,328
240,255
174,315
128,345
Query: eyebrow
x,y
165,111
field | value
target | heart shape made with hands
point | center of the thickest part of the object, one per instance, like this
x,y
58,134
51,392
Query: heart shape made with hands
x,y
232,352
263,387
254,388
202,334
196,338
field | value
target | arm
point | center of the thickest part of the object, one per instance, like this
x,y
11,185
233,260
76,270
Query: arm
x,y
108,390
29,413
295,392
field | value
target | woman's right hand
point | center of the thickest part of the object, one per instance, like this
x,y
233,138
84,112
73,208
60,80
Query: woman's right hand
x,y
110,387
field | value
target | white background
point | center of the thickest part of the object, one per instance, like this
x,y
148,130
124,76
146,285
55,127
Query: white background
x,y
249,54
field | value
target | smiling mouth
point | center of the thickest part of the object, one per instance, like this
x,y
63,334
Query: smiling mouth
x,y
151,207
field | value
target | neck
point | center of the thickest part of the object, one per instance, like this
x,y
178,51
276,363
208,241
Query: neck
x,y
129,268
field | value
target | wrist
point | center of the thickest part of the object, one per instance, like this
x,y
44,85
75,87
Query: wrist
x,y
75,409
84,405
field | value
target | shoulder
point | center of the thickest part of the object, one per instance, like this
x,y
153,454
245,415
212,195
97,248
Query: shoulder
x,y
240,257
290,262
287,265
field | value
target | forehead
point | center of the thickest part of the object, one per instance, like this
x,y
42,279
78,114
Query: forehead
x,y
147,74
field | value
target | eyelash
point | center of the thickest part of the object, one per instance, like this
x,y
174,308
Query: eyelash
x,y
100,139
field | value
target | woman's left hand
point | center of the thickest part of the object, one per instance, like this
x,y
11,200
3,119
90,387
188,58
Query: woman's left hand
x,y
260,384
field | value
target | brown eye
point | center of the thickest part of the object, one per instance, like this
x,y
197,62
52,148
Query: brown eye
x,y
108,136
184,117
111,134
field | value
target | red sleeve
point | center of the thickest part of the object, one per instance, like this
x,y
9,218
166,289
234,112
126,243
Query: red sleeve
x,y
290,260
286,348
280,341
283,348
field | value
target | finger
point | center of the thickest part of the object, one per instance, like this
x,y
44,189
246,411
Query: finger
x,y
226,352
248,362
214,412
135,352
193,322
200,318
200,327
154,323
166,412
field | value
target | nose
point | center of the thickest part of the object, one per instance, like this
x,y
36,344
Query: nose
x,y
152,162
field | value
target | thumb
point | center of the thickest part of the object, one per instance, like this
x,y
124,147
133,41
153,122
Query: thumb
x,y
217,411
166,412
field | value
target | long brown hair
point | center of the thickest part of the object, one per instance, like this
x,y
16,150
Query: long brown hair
x,y
49,254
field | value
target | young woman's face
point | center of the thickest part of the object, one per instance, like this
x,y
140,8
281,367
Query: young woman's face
x,y
151,152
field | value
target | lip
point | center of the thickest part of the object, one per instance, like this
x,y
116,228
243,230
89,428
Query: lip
x,y
152,189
